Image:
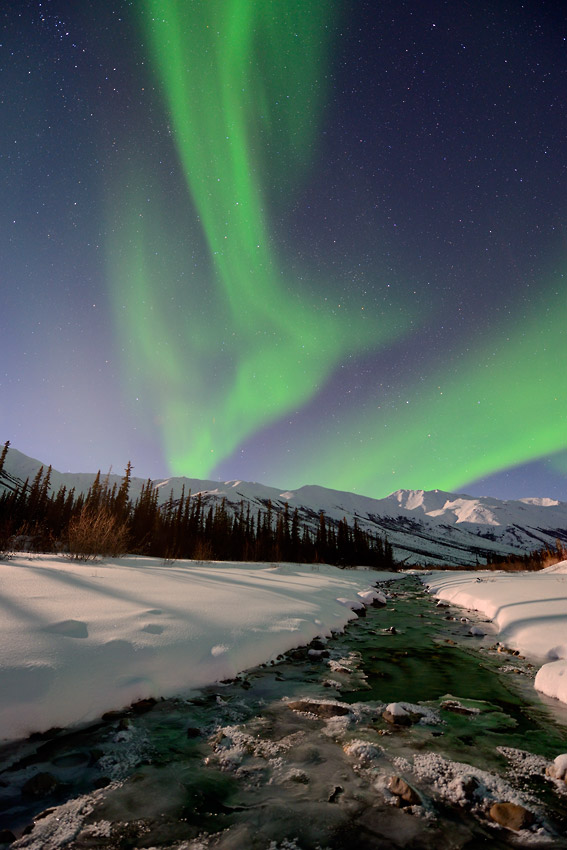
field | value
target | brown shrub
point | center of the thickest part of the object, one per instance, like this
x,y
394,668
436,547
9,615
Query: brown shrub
x,y
96,532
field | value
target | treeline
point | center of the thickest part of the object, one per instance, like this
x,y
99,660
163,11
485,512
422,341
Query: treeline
x,y
532,561
105,521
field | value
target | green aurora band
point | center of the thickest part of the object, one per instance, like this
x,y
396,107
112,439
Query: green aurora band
x,y
220,343
224,353
502,404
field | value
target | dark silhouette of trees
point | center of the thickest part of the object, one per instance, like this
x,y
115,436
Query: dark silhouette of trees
x,y
3,455
186,527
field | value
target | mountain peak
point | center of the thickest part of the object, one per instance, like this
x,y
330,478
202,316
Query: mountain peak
x,y
424,526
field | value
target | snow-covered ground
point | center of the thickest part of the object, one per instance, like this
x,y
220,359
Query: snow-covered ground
x,y
529,611
77,640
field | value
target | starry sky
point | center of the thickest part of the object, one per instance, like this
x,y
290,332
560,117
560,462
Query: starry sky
x,y
300,242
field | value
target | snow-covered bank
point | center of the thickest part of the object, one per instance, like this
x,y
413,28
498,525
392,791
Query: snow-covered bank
x,y
78,639
529,611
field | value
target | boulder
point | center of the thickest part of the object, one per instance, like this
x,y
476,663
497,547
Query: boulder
x,y
143,705
511,816
318,654
406,794
396,720
463,789
379,601
396,714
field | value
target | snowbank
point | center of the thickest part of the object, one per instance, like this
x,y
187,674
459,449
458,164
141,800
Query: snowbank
x,y
528,609
77,640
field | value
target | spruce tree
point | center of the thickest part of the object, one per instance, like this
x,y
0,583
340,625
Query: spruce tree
x,y
3,455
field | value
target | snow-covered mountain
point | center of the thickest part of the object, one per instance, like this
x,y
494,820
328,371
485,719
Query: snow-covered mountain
x,y
424,526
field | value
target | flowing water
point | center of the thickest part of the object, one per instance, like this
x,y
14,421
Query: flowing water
x,y
298,755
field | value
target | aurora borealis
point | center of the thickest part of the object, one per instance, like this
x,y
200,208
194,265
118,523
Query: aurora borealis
x,y
279,343
288,242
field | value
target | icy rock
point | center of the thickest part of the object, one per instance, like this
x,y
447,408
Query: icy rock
x,y
457,708
511,816
143,705
397,709
355,605
297,776
406,794
397,719
319,709
406,713
317,654
462,788
363,752
372,597
558,770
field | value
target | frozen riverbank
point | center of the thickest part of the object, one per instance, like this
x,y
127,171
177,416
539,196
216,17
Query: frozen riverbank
x,y
77,640
402,731
529,611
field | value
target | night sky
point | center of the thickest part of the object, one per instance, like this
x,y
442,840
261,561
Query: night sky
x,y
290,241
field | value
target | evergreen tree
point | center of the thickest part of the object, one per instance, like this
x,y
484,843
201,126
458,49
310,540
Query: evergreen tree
x,y
3,455
94,495
121,504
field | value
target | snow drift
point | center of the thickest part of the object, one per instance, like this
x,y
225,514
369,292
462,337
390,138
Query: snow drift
x,y
529,611
77,640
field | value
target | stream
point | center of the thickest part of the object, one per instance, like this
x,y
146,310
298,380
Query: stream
x,y
403,731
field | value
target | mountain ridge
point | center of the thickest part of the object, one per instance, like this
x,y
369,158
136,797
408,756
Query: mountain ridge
x,y
424,526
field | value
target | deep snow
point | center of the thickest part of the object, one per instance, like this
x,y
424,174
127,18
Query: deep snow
x,y
77,640
529,611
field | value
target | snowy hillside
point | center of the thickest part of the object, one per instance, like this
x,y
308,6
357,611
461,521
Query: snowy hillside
x,y
431,527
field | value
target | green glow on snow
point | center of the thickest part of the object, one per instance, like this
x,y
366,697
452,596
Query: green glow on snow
x,y
223,351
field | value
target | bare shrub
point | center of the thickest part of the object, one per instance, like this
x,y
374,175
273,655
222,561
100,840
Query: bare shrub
x,y
170,556
6,543
13,542
96,532
203,551
6,551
